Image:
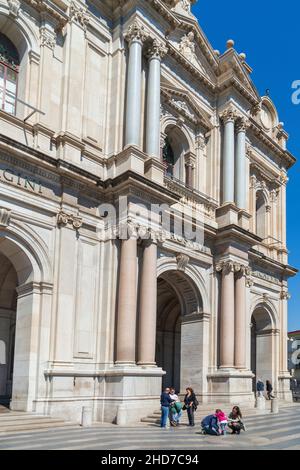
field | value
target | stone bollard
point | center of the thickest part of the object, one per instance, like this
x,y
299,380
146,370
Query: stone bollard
x,y
260,403
86,417
122,415
274,406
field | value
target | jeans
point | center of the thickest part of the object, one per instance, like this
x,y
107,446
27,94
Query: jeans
x,y
190,413
164,416
260,394
223,428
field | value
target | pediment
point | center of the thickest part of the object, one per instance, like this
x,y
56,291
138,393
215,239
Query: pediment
x,y
183,104
233,67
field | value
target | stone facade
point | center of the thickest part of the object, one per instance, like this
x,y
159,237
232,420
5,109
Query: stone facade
x,y
102,100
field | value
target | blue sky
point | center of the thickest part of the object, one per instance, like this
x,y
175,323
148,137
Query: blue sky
x,y
268,32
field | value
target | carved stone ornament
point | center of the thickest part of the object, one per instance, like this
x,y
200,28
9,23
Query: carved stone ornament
x,y
242,125
14,7
183,7
65,219
4,216
136,32
229,115
157,50
187,47
79,15
182,261
47,38
285,295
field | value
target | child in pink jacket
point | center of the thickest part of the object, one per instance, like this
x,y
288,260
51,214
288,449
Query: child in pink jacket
x,y
222,421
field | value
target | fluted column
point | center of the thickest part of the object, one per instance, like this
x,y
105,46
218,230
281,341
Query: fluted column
x,y
127,303
228,156
148,306
240,319
240,165
227,317
136,37
155,55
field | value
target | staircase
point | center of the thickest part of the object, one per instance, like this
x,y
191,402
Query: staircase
x,y
207,409
16,421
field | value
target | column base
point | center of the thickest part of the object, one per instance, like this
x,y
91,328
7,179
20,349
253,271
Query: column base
x,y
244,219
154,170
284,387
231,386
227,214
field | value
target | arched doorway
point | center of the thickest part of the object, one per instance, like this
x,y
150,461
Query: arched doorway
x,y
8,306
179,343
262,345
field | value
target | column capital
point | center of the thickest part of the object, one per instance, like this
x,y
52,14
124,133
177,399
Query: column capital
x,y
242,124
157,50
229,115
136,33
225,267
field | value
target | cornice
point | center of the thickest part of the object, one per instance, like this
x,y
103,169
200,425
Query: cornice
x,y
190,67
288,158
52,8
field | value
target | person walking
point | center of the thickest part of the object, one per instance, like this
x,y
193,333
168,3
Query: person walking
x,y
260,387
165,402
235,422
190,404
269,389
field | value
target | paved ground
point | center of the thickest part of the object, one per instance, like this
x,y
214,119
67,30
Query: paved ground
x,y
271,432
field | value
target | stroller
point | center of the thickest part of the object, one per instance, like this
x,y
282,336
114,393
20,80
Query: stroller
x,y
209,425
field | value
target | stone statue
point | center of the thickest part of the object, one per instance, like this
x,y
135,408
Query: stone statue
x,y
187,47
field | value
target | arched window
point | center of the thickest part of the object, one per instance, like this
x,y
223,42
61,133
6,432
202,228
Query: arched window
x,y
9,67
260,215
168,158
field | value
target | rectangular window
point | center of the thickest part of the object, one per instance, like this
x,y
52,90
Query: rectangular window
x,y
8,89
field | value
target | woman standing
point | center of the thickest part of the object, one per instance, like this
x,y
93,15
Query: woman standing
x,y
191,403
235,422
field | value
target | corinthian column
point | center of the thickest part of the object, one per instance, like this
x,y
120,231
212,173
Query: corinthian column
x,y
227,317
240,166
228,156
127,303
148,306
240,319
155,55
135,36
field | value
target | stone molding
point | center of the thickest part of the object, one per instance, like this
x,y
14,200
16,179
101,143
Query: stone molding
x,y
64,219
5,215
242,124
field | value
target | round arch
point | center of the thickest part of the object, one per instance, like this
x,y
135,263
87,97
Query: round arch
x,y
19,32
181,329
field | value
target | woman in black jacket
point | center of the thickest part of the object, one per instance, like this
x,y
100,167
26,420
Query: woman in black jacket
x,y
191,403
269,390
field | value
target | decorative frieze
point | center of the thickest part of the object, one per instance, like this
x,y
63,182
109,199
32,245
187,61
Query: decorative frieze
x,y
5,215
64,219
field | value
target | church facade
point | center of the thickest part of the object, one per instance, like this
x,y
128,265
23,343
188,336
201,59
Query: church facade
x,y
119,123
